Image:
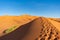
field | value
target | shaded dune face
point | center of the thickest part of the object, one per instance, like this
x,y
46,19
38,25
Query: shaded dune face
x,y
8,22
18,34
38,29
42,29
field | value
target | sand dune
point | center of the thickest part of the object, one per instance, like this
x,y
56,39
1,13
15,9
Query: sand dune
x,y
29,28
7,22
55,19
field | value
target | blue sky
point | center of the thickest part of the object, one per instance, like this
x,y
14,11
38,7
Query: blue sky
x,y
48,8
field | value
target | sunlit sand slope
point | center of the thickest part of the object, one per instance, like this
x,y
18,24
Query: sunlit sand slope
x,y
7,22
32,28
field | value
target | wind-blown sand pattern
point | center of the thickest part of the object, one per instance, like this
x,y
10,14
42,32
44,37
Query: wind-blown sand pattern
x,y
29,28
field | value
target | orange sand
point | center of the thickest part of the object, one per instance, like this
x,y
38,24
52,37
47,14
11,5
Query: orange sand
x,y
30,28
9,21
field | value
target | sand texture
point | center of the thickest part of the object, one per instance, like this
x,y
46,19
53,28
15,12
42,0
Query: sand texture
x,y
30,28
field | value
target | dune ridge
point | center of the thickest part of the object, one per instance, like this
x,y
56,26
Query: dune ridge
x,y
34,28
42,29
10,21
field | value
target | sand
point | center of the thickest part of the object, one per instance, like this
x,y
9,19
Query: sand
x,y
7,22
30,28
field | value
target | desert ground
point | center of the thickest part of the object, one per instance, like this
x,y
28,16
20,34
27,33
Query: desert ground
x,y
27,27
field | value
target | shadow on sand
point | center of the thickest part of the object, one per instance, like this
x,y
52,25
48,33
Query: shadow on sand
x,y
18,34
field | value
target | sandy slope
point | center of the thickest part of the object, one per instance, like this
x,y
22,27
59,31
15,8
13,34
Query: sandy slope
x,y
31,28
10,21
55,23
55,19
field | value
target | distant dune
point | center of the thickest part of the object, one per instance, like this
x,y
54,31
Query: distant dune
x,y
26,27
